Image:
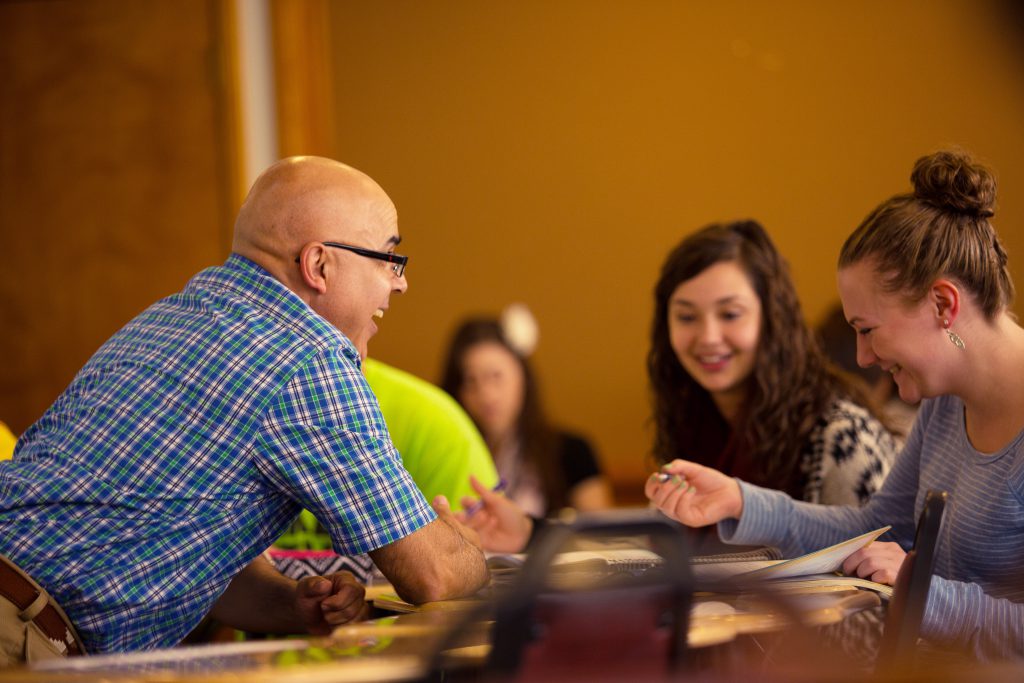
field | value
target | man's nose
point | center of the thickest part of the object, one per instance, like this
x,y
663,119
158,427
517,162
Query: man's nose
x,y
401,284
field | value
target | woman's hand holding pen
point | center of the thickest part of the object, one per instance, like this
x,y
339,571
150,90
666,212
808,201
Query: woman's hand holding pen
x,y
693,494
501,524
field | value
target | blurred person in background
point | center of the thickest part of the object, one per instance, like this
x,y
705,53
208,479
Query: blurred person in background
x,y
543,468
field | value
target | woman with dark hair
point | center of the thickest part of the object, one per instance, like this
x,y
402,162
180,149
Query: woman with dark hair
x,y
740,383
544,469
925,284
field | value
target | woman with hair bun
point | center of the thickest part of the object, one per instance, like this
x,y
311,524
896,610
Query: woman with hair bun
x,y
925,285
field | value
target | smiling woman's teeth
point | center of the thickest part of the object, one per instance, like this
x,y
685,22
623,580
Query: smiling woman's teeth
x,y
895,368
379,313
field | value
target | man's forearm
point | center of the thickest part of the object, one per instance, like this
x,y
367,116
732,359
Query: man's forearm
x,y
469,572
434,563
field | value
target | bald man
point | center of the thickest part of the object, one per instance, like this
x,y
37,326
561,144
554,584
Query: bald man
x,y
143,497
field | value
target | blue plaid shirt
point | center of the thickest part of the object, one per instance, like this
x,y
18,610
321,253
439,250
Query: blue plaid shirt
x,y
186,446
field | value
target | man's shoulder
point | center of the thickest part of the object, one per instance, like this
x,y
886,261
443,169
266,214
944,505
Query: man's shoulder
x,y
254,295
241,282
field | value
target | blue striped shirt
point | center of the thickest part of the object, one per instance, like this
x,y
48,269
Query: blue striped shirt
x,y
976,602
186,446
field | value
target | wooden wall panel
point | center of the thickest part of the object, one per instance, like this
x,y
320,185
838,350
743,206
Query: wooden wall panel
x,y
117,168
303,80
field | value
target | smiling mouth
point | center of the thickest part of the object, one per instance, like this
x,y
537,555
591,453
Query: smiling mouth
x,y
714,363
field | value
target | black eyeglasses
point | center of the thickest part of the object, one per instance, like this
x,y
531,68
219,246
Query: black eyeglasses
x,y
397,261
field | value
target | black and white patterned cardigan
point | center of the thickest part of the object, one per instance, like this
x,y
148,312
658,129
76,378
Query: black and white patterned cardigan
x,y
848,455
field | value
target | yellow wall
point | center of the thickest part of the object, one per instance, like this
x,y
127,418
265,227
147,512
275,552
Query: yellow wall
x,y
545,152
552,152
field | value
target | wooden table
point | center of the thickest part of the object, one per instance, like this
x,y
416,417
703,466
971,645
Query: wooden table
x,y
398,648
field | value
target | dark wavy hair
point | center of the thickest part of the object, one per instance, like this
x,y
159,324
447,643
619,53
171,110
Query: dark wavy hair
x,y
791,384
537,438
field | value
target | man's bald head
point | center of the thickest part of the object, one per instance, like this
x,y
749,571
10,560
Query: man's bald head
x,y
297,215
303,199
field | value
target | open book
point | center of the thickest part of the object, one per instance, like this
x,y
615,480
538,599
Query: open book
x,y
811,573
822,561
815,569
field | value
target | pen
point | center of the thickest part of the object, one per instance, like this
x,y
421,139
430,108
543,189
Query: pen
x,y
664,477
475,507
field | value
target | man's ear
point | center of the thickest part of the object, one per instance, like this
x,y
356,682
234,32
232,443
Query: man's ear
x,y
313,267
945,296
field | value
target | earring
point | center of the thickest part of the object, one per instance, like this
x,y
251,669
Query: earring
x,y
953,336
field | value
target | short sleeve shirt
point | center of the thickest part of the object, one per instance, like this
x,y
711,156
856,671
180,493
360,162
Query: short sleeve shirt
x,y
184,448
438,442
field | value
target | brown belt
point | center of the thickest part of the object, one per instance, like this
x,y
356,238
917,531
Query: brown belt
x,y
28,598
